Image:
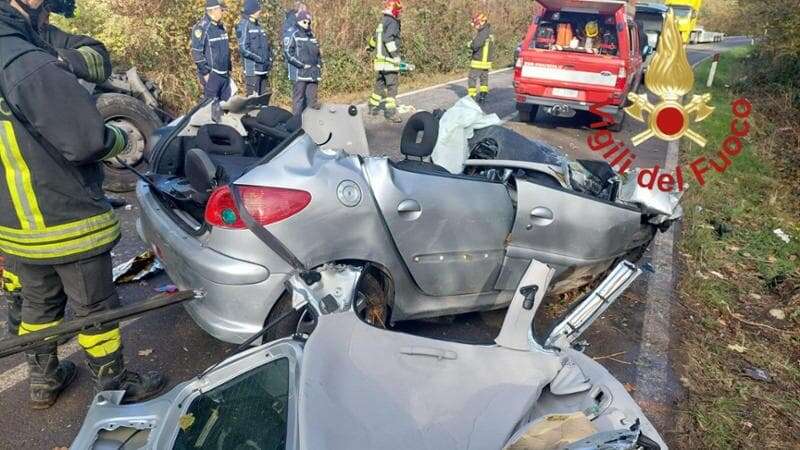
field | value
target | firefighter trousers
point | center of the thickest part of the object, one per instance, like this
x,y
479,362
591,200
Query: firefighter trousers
x,y
478,81
385,93
88,287
10,289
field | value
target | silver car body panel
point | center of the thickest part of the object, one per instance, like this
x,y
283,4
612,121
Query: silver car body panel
x,y
452,256
357,386
450,230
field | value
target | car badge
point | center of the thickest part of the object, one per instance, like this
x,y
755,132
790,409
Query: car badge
x,y
670,77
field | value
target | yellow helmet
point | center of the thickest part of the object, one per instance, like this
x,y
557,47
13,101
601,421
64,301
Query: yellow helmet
x,y
592,29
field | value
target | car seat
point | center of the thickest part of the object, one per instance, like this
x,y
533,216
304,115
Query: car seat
x,y
270,127
418,140
219,139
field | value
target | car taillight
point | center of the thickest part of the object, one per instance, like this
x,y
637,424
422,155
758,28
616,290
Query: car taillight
x,y
267,205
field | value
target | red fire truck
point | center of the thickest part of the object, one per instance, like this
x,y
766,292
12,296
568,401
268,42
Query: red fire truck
x,y
578,54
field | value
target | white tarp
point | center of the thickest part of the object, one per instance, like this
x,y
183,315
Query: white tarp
x,y
456,128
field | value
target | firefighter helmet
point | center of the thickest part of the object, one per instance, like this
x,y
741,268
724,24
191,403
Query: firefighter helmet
x,y
591,29
394,6
478,19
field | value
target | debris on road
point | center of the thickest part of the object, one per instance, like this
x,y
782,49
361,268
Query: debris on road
x,y
757,374
737,348
137,268
167,288
782,235
777,314
145,352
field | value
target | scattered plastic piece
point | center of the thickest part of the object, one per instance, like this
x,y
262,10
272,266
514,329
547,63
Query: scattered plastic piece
x,y
137,268
782,235
757,374
167,289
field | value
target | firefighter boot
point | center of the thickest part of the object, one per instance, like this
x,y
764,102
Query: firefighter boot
x,y
48,377
482,98
109,374
374,110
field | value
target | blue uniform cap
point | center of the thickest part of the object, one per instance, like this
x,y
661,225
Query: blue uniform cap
x,y
303,15
251,7
211,4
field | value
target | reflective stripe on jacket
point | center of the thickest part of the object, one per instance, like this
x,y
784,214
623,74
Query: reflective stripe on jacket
x,y
52,139
483,49
301,49
210,48
254,47
387,45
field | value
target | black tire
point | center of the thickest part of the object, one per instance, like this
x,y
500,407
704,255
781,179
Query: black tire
x,y
287,326
370,291
140,122
616,127
527,113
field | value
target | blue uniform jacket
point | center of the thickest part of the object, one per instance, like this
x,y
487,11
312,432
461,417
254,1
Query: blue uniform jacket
x,y
302,53
254,47
210,47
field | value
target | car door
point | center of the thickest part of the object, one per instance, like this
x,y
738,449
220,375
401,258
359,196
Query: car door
x,y
566,229
450,230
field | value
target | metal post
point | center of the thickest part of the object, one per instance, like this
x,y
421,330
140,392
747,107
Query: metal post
x,y
713,71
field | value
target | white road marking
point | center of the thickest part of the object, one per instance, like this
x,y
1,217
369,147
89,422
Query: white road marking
x,y
19,373
437,86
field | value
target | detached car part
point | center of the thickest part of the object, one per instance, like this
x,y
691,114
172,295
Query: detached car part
x,y
350,385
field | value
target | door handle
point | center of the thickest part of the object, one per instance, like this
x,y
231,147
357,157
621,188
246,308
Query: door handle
x,y
542,216
409,209
430,352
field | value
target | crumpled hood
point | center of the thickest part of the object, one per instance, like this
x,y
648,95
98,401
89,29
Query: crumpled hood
x,y
362,387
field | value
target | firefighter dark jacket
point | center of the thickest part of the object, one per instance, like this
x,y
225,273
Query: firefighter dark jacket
x,y
52,140
88,58
483,48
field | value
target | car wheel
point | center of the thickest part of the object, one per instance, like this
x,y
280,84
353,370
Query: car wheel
x,y
619,122
527,113
371,302
139,122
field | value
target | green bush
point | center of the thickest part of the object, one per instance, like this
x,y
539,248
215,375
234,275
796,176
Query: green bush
x,y
154,37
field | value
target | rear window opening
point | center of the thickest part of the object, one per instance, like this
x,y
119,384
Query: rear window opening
x,y
576,32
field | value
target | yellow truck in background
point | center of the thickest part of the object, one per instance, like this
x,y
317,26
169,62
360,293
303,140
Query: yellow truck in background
x,y
686,12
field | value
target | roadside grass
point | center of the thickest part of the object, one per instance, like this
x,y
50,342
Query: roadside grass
x,y
740,283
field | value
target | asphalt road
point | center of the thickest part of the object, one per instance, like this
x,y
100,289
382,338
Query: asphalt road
x,y
169,341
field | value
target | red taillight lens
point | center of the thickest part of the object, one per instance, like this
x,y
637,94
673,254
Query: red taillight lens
x,y
267,205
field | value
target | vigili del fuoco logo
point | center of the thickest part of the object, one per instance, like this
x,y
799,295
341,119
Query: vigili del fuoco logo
x,y
670,77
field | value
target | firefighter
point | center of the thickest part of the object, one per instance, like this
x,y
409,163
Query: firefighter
x,y
255,49
482,47
89,60
211,52
11,289
386,43
57,225
305,64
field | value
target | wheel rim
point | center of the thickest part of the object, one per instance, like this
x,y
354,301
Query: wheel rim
x,y
134,152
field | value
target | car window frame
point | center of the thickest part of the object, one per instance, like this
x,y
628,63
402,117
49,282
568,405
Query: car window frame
x,y
229,370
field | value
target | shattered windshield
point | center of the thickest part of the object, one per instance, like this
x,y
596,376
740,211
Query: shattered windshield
x,y
248,412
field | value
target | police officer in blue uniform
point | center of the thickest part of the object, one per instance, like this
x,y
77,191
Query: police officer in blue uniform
x,y
255,49
305,64
211,52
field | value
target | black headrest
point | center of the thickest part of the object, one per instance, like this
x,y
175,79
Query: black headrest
x,y
220,140
272,116
411,144
294,124
200,171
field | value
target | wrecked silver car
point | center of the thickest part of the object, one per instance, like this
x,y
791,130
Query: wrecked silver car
x,y
255,197
351,385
